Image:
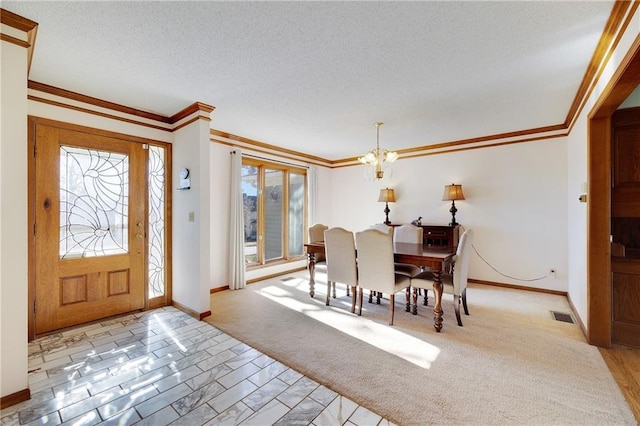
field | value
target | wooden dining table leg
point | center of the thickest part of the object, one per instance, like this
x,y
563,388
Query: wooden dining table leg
x,y
312,273
437,290
407,295
415,301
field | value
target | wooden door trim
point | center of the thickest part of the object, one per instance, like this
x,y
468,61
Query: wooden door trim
x,y
599,219
31,220
621,85
33,122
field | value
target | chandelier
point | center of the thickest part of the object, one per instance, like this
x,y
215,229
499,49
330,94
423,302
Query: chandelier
x,y
377,157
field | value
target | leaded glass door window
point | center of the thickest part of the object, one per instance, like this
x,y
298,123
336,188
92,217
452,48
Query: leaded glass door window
x,y
156,228
94,203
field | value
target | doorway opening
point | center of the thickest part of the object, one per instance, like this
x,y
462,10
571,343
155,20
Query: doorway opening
x,y
599,289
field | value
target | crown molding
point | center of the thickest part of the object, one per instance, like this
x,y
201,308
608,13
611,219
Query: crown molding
x,y
499,139
16,21
265,148
196,107
619,19
68,94
93,112
29,27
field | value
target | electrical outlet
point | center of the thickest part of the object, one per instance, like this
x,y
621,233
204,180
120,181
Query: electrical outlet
x,y
552,274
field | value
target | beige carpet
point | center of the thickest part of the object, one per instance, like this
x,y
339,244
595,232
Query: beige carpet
x,y
511,363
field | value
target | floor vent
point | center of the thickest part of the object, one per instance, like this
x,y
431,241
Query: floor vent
x,y
287,278
561,316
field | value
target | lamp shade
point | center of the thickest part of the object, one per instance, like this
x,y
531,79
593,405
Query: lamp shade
x,y
452,192
387,196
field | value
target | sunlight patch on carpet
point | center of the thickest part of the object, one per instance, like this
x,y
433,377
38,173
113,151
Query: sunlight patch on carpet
x,y
381,336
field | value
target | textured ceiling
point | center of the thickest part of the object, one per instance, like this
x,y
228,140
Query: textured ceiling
x,y
315,76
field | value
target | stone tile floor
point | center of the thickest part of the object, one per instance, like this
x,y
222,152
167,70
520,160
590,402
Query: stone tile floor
x,y
164,367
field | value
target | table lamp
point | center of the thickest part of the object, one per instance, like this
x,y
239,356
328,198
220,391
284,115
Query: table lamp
x,y
387,196
452,193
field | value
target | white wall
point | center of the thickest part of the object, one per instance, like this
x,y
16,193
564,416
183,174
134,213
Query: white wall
x,y
192,217
577,217
515,202
325,205
577,175
13,219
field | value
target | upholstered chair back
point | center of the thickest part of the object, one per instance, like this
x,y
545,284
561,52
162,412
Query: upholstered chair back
x,y
340,251
461,268
375,260
407,234
383,228
316,233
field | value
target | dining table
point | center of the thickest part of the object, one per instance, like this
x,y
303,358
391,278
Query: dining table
x,y
436,259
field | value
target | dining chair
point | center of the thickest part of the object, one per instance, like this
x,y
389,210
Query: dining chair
x,y
316,233
340,250
407,234
375,268
383,227
453,283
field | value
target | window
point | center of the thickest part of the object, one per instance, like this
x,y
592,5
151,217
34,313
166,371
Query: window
x,y
274,211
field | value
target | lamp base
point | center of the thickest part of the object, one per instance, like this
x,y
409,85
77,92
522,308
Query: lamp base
x,y
386,213
453,211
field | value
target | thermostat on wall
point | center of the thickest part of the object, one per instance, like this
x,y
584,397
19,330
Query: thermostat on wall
x,y
185,181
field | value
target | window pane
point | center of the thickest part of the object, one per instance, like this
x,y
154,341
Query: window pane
x,y
94,209
273,214
250,202
296,214
156,221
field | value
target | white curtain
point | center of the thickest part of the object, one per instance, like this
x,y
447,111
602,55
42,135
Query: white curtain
x,y
312,174
236,224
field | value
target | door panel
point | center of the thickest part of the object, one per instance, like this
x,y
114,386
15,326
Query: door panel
x,y
625,227
90,210
625,301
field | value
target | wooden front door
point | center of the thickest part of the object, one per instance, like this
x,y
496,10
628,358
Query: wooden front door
x,y
90,220
625,227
